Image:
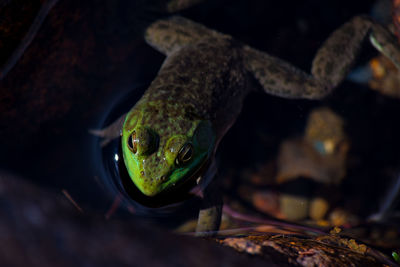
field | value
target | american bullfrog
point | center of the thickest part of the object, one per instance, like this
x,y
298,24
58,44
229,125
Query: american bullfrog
x,y
172,133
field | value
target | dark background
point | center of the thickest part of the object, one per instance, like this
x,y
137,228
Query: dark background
x,y
88,56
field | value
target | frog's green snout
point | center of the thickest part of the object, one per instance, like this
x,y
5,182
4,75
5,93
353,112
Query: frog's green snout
x,y
146,169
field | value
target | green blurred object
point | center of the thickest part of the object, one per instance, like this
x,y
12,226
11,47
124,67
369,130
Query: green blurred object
x,y
396,256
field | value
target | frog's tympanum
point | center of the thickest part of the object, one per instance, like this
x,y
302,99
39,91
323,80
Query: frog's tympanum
x,y
175,128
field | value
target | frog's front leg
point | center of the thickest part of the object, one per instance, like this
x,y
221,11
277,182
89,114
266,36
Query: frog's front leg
x,y
211,211
331,63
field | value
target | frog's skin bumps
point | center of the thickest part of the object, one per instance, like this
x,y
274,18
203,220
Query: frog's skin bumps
x,y
204,80
178,100
330,65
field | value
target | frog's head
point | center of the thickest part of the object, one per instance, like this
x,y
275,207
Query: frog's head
x,y
160,151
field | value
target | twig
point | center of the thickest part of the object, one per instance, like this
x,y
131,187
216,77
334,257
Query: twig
x,y
68,196
114,206
26,41
254,219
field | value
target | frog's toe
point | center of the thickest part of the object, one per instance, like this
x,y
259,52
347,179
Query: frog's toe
x,y
102,133
110,132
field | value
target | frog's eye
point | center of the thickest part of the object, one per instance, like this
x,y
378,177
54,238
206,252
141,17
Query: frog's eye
x,y
185,154
132,142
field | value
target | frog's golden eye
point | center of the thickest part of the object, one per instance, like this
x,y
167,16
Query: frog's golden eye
x,y
185,154
132,142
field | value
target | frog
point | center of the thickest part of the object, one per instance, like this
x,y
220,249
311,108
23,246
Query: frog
x,y
171,135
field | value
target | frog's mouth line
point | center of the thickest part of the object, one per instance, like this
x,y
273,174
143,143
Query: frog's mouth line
x,y
191,177
172,195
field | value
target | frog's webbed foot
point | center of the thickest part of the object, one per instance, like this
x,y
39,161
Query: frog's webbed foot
x,y
211,211
330,66
110,132
168,35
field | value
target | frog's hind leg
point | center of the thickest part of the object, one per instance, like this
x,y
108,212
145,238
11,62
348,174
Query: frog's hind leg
x,y
278,77
168,35
331,63
334,59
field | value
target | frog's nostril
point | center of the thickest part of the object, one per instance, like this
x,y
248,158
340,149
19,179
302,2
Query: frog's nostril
x,y
163,179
